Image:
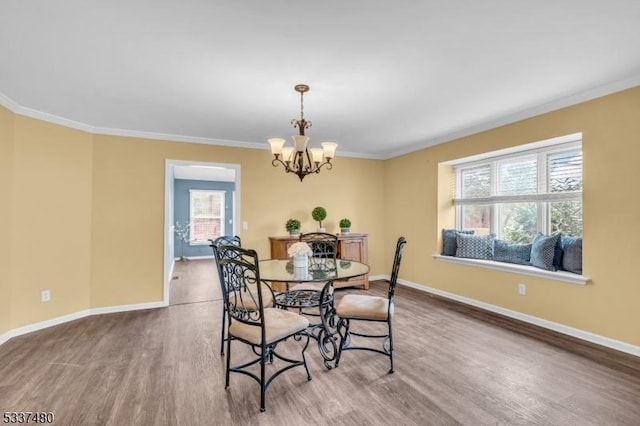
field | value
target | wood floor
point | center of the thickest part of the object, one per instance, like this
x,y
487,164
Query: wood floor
x,y
453,367
191,282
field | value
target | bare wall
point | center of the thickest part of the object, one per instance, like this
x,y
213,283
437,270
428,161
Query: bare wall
x,y
51,221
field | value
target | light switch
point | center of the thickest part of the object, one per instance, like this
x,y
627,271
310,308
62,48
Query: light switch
x,y
245,225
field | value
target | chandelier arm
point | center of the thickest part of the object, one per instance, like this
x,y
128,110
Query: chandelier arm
x,y
277,161
285,164
327,163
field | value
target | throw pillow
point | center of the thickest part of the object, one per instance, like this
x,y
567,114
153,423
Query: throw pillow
x,y
449,244
572,257
504,251
475,246
558,253
543,251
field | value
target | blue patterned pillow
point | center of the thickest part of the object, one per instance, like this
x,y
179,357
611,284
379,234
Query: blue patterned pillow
x,y
504,251
558,253
449,244
475,246
572,256
543,251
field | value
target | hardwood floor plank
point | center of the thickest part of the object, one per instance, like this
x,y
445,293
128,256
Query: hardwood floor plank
x,y
186,284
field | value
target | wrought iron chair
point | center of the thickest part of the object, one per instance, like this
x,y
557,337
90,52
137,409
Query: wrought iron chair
x,y
325,252
359,307
229,240
250,322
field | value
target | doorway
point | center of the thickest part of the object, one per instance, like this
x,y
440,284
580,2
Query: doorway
x,y
195,177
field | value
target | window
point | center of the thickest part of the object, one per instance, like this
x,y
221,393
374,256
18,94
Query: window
x,y
521,193
206,214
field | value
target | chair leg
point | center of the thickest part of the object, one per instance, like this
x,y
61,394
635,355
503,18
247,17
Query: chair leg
x,y
263,356
226,385
304,359
390,346
222,338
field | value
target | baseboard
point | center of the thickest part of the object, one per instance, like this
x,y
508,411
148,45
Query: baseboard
x,y
126,308
209,256
554,326
77,315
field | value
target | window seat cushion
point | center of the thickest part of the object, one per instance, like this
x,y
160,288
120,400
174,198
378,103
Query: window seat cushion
x,y
504,251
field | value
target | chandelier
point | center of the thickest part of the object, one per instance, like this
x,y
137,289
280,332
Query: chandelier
x,y
299,159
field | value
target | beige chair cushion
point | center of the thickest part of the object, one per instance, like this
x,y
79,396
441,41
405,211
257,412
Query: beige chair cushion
x,y
359,306
311,286
278,324
249,300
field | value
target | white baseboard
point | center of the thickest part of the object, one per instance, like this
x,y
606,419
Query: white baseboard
x,y
77,315
560,328
210,256
126,308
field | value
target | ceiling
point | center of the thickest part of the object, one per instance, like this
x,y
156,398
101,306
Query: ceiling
x,y
386,77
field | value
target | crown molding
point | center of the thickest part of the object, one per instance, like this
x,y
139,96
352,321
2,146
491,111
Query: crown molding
x,y
553,105
16,108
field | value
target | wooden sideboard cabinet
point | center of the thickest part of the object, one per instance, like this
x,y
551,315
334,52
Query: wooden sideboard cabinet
x,y
350,247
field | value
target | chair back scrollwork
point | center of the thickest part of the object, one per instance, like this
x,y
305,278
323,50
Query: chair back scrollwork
x,y
324,247
219,254
242,287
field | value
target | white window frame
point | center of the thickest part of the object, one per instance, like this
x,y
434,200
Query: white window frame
x,y
562,276
541,150
192,194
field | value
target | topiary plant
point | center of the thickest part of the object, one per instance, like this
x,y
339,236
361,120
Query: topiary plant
x,y
319,214
345,225
293,226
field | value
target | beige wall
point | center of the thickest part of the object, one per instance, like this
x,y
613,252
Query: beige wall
x,y
419,190
51,220
128,208
6,174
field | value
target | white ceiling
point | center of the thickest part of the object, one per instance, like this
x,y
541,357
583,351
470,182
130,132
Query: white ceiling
x,y
386,77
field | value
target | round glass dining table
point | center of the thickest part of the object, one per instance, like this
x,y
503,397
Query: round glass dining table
x,y
281,274
318,270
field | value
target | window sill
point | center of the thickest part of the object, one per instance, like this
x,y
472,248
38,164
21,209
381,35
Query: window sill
x,y
517,269
199,243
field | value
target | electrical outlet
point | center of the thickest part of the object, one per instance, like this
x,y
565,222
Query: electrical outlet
x,y
45,296
522,289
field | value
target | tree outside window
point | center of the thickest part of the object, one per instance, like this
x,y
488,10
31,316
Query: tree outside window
x,y
206,213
